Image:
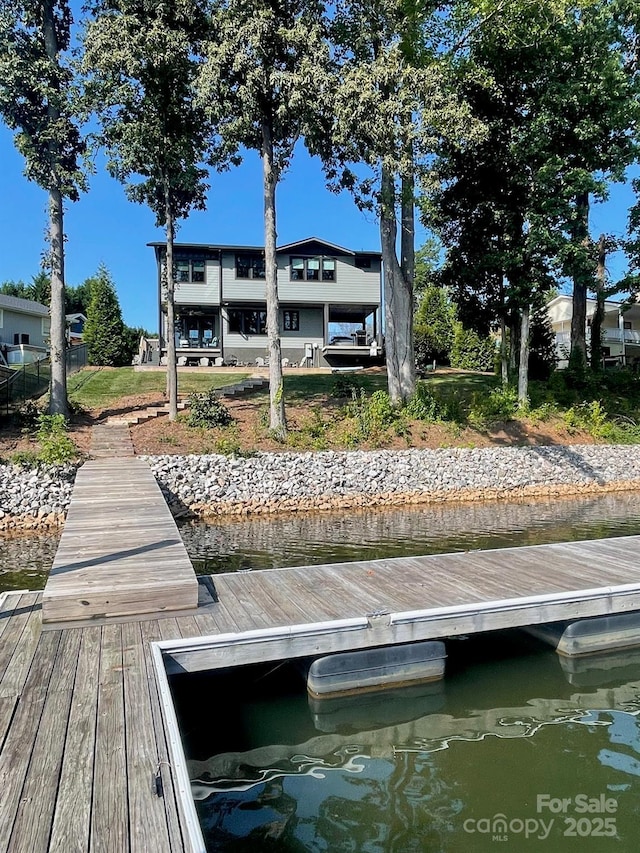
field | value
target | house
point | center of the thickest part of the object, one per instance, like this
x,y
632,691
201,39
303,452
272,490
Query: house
x,y
75,328
329,296
620,330
25,327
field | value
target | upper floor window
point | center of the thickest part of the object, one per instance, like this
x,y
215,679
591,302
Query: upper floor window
x,y
363,262
313,269
627,324
190,270
250,266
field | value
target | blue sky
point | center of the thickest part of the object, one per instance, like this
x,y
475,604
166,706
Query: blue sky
x,y
103,227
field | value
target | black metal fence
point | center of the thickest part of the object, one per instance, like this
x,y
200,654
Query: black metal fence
x,y
32,380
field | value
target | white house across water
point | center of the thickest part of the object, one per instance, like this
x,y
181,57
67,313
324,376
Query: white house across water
x,y
329,297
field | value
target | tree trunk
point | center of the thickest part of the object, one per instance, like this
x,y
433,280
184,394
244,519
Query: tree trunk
x,y
504,363
523,367
58,388
172,366
598,314
581,281
398,302
277,419
514,338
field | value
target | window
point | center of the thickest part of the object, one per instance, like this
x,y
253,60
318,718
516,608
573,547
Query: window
x,y
250,266
1,318
190,270
313,269
46,326
20,338
363,262
626,324
291,321
246,321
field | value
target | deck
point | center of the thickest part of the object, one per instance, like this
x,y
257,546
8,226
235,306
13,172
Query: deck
x,y
83,738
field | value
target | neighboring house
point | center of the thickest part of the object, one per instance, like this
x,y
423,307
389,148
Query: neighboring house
x,y
329,303
75,328
25,328
620,330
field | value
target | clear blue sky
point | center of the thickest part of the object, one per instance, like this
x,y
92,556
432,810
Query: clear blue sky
x,y
103,227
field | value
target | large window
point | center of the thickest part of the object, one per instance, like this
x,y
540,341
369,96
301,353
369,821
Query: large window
x,y
250,266
247,321
313,269
190,270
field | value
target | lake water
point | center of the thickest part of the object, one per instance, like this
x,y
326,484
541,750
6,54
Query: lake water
x,y
510,752
295,540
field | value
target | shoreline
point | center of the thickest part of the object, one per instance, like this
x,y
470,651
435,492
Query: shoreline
x,y
268,484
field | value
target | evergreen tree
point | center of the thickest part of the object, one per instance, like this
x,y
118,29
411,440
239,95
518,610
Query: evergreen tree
x,y
104,331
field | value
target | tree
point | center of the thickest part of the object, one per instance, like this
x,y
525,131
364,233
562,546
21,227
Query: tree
x,y
36,101
264,85
104,330
140,63
434,326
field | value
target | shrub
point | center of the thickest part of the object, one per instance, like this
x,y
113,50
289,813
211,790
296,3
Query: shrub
x,y
471,352
425,406
589,416
372,414
206,410
500,404
55,445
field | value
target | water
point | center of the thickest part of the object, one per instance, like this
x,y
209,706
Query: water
x,y
264,543
511,752
261,543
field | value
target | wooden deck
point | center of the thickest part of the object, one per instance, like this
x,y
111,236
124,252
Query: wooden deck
x,y
120,553
83,735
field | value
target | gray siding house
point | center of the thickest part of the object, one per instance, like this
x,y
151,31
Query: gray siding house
x,y
25,328
329,304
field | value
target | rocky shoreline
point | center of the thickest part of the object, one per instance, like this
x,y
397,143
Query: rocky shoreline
x,y
265,483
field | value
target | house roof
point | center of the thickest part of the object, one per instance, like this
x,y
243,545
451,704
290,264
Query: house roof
x,y
311,244
23,306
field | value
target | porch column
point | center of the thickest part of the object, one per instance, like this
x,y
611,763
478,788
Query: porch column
x,y
325,334
622,341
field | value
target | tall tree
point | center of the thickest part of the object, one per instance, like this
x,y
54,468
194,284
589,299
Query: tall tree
x,y
264,85
104,331
36,101
140,64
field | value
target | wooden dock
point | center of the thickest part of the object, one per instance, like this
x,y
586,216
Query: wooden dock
x,y
120,553
89,757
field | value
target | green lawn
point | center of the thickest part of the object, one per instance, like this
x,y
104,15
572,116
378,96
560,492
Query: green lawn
x,y
95,387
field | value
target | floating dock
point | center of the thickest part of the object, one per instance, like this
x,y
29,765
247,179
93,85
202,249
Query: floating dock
x,y
90,758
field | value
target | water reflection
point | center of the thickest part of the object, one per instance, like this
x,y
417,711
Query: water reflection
x,y
504,738
262,543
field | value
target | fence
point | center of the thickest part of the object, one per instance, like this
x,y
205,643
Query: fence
x,y
32,380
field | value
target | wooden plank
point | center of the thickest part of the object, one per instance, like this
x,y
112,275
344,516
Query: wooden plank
x,y
147,817
120,553
151,632
18,745
72,818
17,622
110,811
33,821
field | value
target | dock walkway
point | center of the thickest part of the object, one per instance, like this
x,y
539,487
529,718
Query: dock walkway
x,y
120,553
86,761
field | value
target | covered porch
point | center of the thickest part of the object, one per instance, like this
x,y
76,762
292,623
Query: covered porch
x,y
352,335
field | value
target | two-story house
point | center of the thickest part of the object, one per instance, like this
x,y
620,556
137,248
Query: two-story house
x,y
25,327
329,304
620,330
